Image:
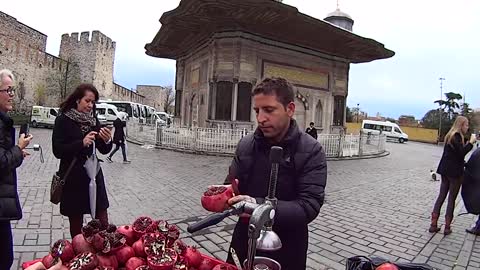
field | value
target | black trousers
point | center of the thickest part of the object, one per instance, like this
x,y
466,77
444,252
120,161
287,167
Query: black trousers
x,y
117,146
6,245
449,186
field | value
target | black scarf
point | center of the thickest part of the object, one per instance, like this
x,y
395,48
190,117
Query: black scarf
x,y
85,120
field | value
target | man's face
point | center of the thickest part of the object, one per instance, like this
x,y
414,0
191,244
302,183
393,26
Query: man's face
x,y
273,118
6,97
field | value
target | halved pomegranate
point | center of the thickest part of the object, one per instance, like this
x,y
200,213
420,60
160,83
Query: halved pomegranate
x,y
224,267
89,230
154,243
158,226
165,261
181,264
215,198
84,261
107,243
141,224
172,235
63,249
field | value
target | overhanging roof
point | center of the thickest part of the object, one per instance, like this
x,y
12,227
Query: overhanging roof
x,y
195,21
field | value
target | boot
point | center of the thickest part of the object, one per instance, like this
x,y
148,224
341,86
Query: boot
x,y
475,229
433,225
448,229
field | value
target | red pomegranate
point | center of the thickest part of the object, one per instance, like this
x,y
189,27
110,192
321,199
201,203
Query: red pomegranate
x,y
154,243
387,266
140,225
107,260
165,261
84,261
49,260
81,245
64,249
129,234
135,262
193,257
206,264
138,248
124,254
224,267
216,197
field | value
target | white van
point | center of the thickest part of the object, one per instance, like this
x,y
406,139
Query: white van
x,y
392,130
43,116
110,112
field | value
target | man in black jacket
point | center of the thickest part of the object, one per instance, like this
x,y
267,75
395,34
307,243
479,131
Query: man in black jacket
x,y
312,131
301,179
11,157
119,140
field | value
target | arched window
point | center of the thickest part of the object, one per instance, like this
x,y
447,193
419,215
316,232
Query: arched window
x,y
319,114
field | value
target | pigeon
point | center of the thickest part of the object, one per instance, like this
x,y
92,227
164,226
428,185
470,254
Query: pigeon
x,y
433,175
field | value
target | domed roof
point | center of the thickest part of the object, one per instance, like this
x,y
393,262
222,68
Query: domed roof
x,y
339,13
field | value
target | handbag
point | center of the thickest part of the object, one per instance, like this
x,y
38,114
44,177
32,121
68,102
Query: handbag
x,y
56,189
371,263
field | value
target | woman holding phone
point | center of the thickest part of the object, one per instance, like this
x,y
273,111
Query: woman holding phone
x,y
75,133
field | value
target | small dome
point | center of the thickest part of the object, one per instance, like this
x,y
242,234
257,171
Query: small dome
x,y
339,13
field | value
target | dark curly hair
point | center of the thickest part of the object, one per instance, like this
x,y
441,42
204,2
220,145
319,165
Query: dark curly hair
x,y
278,87
78,93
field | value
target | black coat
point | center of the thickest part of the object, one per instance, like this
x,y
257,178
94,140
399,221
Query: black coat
x,y
453,158
67,141
119,134
312,132
471,184
300,191
11,157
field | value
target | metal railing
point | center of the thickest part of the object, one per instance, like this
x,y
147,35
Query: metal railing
x,y
224,141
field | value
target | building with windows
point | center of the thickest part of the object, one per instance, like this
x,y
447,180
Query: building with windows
x,y
224,47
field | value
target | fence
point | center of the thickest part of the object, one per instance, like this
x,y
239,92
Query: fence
x,y
224,141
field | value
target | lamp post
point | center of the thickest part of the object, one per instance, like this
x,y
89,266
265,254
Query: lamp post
x,y
358,111
441,112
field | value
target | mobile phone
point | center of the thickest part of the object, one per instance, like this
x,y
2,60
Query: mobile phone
x,y
24,128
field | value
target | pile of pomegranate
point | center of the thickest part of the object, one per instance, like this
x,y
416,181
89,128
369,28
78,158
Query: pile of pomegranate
x,y
147,244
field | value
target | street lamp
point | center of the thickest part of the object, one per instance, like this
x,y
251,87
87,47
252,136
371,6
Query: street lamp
x,y
440,109
358,110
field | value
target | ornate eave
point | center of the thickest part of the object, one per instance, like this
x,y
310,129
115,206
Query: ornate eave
x,y
194,22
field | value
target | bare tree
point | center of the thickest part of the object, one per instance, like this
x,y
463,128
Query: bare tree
x,y
64,80
168,99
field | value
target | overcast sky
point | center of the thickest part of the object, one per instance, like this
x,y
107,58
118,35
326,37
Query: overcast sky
x,y
431,39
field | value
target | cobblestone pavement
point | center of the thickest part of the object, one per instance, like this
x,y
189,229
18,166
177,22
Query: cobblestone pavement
x,y
373,207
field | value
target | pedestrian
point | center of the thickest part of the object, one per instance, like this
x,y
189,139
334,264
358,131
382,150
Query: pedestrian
x,y
75,132
119,140
451,169
312,131
11,157
471,189
301,179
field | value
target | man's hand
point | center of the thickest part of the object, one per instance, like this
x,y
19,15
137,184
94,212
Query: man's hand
x,y
105,134
240,198
89,138
23,141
